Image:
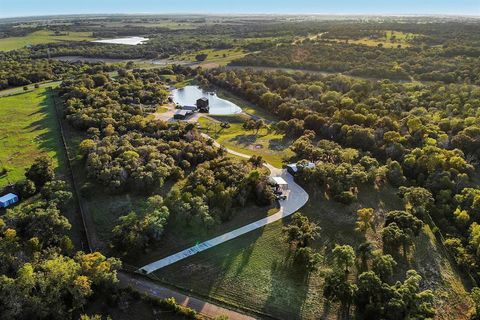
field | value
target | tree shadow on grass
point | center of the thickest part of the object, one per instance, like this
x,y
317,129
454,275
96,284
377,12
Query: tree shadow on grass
x,y
217,272
279,144
245,139
288,290
49,141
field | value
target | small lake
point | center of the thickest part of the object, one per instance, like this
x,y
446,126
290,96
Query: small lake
x,y
131,41
187,96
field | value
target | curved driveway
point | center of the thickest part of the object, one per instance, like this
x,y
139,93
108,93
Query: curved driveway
x,y
296,198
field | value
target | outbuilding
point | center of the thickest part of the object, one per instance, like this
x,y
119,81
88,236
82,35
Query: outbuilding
x,y
190,108
294,168
8,200
182,114
278,182
203,104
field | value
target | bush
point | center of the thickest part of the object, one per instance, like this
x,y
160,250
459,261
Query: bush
x,y
201,57
25,188
346,197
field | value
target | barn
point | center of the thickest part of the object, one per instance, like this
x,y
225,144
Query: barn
x,y
8,200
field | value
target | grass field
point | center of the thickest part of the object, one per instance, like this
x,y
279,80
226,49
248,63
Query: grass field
x,y
30,88
255,271
28,129
391,40
215,57
273,147
41,37
246,106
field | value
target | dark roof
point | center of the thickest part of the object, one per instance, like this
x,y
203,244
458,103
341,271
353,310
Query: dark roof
x,y
183,112
203,99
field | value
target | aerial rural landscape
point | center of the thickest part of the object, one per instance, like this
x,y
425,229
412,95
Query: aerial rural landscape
x,y
258,161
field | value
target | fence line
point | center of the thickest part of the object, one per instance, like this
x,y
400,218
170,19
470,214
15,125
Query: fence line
x,y
69,168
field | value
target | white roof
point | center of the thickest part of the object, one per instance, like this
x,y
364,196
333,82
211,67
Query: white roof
x,y
278,181
308,165
8,196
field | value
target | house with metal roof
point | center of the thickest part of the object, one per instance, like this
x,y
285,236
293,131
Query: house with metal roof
x,y
278,183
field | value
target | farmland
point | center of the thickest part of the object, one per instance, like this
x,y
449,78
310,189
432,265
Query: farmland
x,y
42,37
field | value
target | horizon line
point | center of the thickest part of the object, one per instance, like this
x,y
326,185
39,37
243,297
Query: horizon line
x,y
446,15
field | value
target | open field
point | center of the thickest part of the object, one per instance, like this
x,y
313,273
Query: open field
x,y
256,272
392,39
28,129
215,57
41,37
30,88
271,146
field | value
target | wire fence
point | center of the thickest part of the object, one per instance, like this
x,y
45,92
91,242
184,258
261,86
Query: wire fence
x,y
58,113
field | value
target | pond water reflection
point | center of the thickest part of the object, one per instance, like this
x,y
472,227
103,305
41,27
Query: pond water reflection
x,y
187,96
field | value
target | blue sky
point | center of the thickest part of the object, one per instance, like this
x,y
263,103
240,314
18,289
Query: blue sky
x,y
15,8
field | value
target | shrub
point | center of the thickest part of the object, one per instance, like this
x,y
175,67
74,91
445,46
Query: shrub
x,y
345,197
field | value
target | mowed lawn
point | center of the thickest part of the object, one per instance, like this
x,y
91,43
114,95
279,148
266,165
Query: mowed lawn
x,y
42,37
273,147
255,271
28,129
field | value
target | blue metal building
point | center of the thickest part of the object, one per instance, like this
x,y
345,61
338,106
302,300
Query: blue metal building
x,y
8,200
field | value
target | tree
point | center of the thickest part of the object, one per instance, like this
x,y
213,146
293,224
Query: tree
x,y
337,288
309,258
25,188
301,231
365,219
250,124
256,161
39,220
365,252
413,303
393,237
417,200
406,221
41,171
259,124
55,286
56,191
344,257
201,57
383,266
475,295
369,295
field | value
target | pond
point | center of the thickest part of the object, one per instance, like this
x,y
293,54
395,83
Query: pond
x,y
132,41
187,96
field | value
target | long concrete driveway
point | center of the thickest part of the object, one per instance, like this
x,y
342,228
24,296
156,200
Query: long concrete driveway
x,y
296,198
